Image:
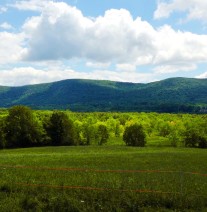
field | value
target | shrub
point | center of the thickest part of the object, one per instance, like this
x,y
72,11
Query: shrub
x,y
134,136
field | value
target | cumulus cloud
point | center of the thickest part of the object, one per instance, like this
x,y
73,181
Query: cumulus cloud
x,y
181,49
63,32
196,9
66,33
6,26
11,47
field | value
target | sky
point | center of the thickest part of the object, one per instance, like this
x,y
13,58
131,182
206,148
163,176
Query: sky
x,y
137,41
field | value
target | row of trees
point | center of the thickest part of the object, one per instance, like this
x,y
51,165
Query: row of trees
x,y
22,127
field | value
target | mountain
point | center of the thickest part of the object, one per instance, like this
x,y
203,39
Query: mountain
x,y
170,95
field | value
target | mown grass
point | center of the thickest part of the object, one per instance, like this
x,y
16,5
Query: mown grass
x,y
35,179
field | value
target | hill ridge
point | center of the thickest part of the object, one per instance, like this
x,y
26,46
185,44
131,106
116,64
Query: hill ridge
x,y
169,95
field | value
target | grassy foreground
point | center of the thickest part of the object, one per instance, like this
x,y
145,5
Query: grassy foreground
x,y
93,178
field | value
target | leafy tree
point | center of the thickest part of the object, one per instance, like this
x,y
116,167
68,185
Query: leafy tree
x,y
2,134
103,134
88,131
192,139
176,132
117,130
61,130
202,142
194,136
174,137
22,128
164,128
46,139
78,125
134,135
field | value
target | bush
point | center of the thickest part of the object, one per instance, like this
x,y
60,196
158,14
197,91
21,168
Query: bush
x,y
134,136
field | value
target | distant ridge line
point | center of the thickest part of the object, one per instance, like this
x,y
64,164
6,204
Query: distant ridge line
x,y
173,95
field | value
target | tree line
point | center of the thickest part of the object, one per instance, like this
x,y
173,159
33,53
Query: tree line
x,y
22,127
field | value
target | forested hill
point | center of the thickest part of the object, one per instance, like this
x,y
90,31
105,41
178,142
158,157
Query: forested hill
x,y
170,95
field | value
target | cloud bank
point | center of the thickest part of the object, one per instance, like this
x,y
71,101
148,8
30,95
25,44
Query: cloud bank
x,y
60,32
30,75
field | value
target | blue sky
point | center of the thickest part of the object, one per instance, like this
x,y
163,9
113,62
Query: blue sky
x,y
121,40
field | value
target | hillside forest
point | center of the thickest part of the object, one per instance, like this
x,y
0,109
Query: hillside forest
x,y
21,126
174,95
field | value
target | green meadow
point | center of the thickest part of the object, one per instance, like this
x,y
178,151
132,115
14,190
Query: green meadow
x,y
103,178
66,161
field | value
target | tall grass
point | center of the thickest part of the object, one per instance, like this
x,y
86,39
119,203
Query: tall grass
x,y
103,178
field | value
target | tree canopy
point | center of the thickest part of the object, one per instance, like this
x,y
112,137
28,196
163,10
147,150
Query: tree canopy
x,y
22,128
61,129
134,135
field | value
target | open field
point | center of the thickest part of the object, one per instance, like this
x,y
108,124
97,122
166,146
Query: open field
x,y
106,178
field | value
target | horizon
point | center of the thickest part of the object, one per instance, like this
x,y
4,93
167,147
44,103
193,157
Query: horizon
x,y
44,41
76,79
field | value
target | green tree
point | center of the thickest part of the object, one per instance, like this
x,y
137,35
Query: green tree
x,y
117,131
61,130
134,135
2,134
164,128
202,142
103,134
88,130
22,128
194,136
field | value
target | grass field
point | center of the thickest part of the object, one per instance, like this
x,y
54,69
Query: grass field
x,y
106,178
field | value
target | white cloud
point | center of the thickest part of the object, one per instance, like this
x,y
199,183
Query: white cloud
x,y
62,32
3,9
124,76
97,65
113,37
164,69
126,67
11,47
196,9
30,5
6,26
29,75
181,49
202,76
